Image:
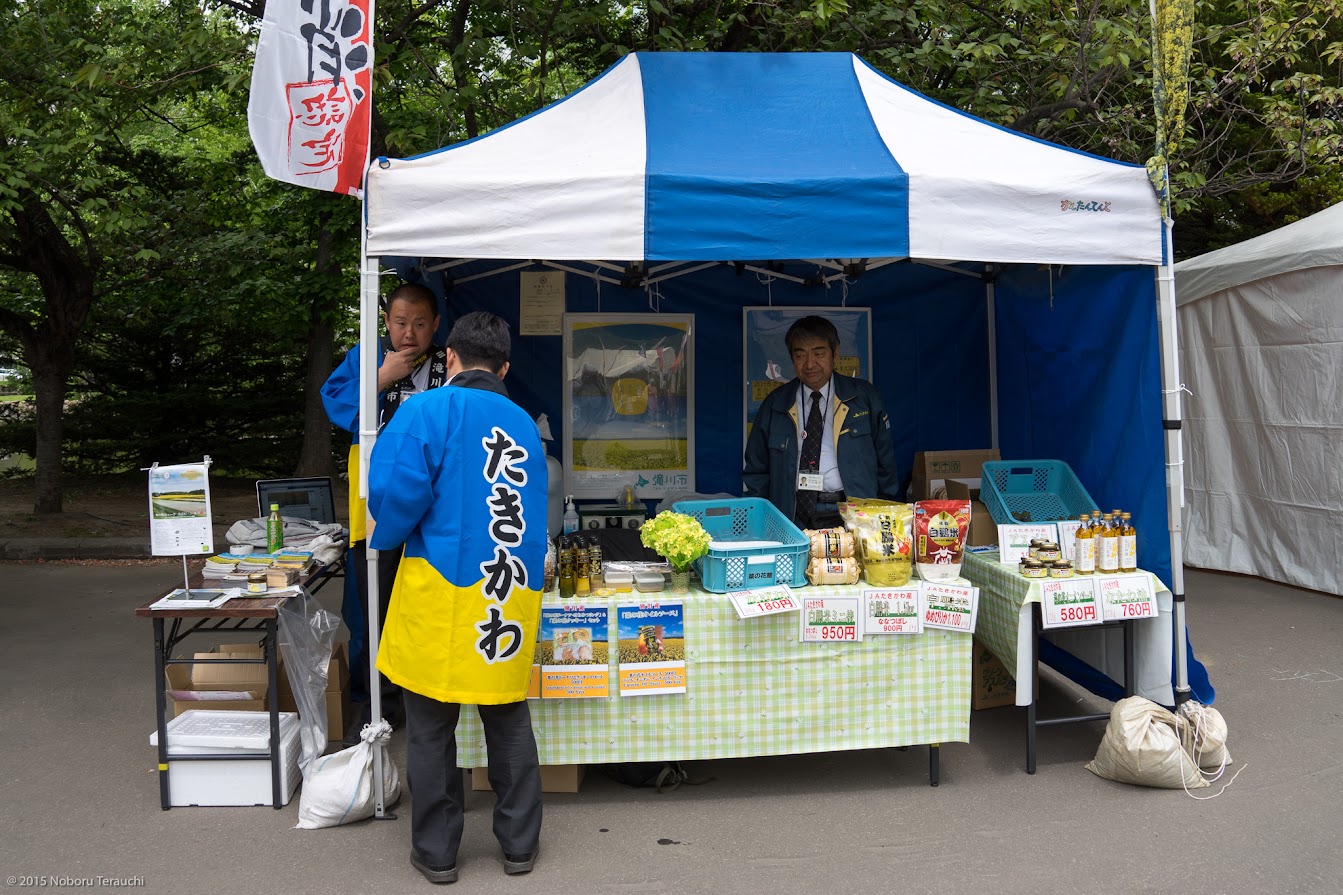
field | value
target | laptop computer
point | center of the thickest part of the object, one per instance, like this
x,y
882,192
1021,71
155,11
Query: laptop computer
x,y
304,498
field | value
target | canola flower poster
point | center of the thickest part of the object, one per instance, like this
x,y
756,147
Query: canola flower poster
x,y
651,647
179,510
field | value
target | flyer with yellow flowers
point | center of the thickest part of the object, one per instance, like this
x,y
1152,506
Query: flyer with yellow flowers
x,y
573,652
651,648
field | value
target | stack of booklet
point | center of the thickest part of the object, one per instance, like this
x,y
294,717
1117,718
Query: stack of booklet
x,y
236,567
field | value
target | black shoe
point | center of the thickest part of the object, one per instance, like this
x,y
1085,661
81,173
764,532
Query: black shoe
x,y
436,875
514,864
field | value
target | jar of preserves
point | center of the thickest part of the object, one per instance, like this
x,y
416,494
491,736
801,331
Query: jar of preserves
x,y
1061,569
1049,552
256,583
1033,568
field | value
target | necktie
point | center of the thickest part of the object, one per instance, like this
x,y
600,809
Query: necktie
x,y
809,458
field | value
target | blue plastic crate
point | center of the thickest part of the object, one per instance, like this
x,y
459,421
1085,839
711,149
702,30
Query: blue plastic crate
x,y
747,568
1017,491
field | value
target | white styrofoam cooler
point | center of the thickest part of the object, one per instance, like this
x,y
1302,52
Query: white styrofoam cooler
x,y
242,782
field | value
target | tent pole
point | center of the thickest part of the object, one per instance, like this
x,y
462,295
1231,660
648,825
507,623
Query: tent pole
x,y
1172,420
990,277
368,435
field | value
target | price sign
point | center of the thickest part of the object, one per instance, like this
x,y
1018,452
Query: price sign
x,y
1125,597
893,610
764,601
830,619
1014,541
1069,603
950,606
1067,536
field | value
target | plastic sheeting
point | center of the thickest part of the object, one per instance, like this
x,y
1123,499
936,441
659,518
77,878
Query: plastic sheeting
x,y
1264,427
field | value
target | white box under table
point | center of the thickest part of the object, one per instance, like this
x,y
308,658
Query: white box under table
x,y
230,754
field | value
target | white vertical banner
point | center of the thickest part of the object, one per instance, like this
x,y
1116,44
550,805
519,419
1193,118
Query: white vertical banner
x,y
311,93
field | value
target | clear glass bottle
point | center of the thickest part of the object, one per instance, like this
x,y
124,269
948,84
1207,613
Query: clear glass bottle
x,y
1128,543
596,574
1084,547
567,581
274,530
1107,546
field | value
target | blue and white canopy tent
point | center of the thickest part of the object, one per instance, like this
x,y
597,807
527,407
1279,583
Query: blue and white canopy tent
x,y
1013,283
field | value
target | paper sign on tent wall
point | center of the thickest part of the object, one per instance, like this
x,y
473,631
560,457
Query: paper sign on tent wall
x,y
311,95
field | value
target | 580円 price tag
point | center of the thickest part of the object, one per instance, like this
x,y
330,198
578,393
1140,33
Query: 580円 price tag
x,y
1069,603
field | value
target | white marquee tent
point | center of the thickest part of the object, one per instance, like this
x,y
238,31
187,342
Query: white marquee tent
x,y
1261,347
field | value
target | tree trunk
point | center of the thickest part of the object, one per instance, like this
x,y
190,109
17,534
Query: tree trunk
x,y
50,381
315,454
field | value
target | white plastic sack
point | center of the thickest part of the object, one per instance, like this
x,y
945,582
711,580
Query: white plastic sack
x,y
1142,745
1205,736
338,788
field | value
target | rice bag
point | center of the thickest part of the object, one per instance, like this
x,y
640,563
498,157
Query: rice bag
x,y
885,544
832,571
829,543
940,529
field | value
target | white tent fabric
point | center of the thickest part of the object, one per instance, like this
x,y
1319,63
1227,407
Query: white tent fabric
x,y
727,156
1261,333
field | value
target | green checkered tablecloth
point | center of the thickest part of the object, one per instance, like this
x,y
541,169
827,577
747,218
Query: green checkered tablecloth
x,y
1003,591
754,689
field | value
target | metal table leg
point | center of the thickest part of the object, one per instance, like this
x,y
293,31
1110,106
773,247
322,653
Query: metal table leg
x,y
272,648
934,763
161,704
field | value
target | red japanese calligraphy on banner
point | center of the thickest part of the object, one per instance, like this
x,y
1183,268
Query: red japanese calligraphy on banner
x,y
311,93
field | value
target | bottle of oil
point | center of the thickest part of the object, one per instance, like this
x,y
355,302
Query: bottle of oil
x,y
1128,544
1084,547
567,582
582,571
595,574
1107,546
1096,524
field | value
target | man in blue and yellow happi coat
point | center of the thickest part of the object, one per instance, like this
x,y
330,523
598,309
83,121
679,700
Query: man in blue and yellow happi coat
x,y
459,477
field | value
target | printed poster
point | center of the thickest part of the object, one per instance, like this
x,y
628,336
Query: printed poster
x,y
179,510
892,610
830,619
573,652
651,648
1014,541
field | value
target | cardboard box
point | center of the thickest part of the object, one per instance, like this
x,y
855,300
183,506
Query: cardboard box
x,y
339,712
983,530
991,684
554,778
933,468
252,678
179,680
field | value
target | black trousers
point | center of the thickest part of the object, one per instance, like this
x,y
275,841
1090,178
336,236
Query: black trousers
x,y
436,790
388,562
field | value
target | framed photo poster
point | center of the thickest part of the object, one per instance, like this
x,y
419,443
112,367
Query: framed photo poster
x,y
768,364
629,398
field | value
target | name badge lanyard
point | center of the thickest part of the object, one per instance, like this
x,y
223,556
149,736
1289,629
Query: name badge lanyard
x,y
812,479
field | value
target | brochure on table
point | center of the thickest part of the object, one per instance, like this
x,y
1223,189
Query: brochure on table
x,y
199,598
650,641
573,652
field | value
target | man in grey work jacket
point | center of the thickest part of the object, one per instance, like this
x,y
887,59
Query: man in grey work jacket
x,y
821,438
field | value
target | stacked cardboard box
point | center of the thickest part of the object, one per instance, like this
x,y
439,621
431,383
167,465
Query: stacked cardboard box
x,y
243,687
554,778
957,475
991,684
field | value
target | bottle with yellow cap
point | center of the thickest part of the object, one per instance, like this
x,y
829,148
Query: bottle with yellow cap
x,y
1107,546
1128,544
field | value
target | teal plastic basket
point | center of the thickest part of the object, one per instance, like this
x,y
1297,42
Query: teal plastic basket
x,y
1017,491
747,568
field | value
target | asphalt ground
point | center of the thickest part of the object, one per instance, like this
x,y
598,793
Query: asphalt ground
x,y
80,796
